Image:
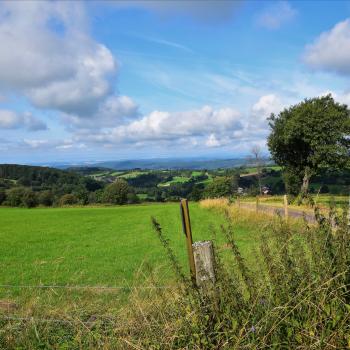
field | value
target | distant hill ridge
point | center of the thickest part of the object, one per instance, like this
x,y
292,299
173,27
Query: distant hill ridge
x,y
169,164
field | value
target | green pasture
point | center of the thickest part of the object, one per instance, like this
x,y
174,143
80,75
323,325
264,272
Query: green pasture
x,y
132,174
176,179
95,246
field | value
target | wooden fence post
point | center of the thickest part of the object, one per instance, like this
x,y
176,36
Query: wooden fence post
x,y
257,204
285,200
186,225
200,254
204,262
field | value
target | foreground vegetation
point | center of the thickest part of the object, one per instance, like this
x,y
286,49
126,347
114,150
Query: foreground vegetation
x,y
278,286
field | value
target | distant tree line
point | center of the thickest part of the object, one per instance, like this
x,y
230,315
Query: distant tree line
x,y
30,186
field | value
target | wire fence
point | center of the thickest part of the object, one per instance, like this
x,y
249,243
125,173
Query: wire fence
x,y
90,322
40,286
75,321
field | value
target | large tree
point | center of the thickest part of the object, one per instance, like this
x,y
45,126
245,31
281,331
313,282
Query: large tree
x,y
310,136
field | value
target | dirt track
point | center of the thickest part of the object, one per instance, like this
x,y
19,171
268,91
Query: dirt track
x,y
269,209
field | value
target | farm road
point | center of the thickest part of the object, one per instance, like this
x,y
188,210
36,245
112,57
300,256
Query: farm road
x,y
269,209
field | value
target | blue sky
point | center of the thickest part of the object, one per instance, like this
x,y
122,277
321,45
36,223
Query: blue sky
x,y
86,81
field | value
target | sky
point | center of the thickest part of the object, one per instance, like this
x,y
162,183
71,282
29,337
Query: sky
x,y
111,80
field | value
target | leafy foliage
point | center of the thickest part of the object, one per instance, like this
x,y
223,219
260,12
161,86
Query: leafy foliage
x,y
311,136
221,187
68,199
117,192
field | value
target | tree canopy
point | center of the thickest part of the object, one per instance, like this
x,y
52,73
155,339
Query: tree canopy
x,y
310,136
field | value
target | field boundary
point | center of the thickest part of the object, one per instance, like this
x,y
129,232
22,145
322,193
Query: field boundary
x,y
82,287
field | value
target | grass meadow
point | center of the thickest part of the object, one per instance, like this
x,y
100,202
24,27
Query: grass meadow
x,y
97,245
289,291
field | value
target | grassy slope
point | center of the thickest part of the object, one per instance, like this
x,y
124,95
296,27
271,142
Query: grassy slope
x,y
93,246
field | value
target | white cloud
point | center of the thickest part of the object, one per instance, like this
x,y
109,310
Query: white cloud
x,y
263,108
50,57
12,120
157,126
36,143
115,110
277,14
338,97
212,141
331,50
8,119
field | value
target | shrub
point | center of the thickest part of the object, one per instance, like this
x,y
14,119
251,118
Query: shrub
x,y
46,198
292,182
133,198
29,199
14,196
220,187
2,196
117,192
68,199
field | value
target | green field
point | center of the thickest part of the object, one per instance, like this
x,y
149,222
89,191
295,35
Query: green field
x,y
92,246
176,179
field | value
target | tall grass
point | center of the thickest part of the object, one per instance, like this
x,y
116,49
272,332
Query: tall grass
x,y
296,295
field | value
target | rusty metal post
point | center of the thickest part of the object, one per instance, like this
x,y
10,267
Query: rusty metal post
x,y
186,225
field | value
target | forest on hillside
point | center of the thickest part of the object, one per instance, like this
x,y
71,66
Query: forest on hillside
x,y
30,186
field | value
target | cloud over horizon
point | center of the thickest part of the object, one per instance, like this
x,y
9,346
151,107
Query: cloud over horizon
x,y
331,50
159,76
12,120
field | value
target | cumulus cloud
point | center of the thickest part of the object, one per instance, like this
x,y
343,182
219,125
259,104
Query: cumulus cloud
x,y
50,57
277,14
172,126
210,11
48,144
341,97
12,120
113,111
331,50
263,108
212,141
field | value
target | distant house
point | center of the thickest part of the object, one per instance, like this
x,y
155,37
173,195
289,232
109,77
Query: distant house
x,y
240,190
266,190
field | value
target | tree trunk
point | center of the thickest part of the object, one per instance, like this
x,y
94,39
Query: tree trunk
x,y
306,181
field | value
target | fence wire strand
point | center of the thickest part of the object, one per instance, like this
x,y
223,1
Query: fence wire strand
x,y
54,320
82,287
